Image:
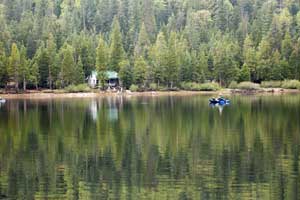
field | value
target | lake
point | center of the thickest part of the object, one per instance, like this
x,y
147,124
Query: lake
x,y
150,148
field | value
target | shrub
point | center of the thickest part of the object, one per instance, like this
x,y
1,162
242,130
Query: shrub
x,y
189,86
271,84
248,86
209,87
134,88
153,87
233,85
192,86
78,88
162,88
291,84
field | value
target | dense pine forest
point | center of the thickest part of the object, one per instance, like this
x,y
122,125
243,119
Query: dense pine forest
x,y
56,43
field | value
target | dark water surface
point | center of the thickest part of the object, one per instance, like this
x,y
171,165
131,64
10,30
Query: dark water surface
x,y
150,148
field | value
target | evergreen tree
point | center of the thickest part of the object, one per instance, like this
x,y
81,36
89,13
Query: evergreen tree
x,y
224,55
43,60
126,74
53,68
159,54
67,66
14,65
79,73
102,60
249,57
116,46
143,44
24,67
149,17
139,71
264,62
3,65
295,61
172,68
244,73
286,46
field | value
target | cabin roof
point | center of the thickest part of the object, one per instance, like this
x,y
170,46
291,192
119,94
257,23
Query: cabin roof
x,y
112,75
109,74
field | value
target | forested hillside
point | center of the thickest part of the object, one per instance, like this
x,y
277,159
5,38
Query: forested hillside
x,y
55,43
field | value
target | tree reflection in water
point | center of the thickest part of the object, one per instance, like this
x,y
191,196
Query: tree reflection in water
x,y
150,148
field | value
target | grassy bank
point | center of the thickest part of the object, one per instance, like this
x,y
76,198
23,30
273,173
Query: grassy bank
x,y
187,88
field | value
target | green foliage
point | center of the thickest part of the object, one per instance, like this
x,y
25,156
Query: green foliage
x,y
101,60
126,74
134,88
14,65
248,86
233,85
291,84
79,73
67,66
271,84
139,71
153,87
209,87
116,46
244,73
179,41
78,88
192,86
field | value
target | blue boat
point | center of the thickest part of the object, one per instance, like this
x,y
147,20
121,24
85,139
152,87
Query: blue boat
x,y
220,101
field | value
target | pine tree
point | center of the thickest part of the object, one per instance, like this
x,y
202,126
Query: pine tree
x,y
14,65
43,64
286,46
202,67
34,72
3,65
172,68
295,60
159,57
24,67
139,71
102,60
264,62
79,73
53,69
143,44
149,17
249,57
224,57
244,73
116,46
67,66
126,74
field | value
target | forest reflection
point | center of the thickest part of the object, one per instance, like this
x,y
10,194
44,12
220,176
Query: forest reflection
x,y
150,148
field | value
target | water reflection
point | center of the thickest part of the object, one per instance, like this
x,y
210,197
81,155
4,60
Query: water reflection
x,y
150,148
219,107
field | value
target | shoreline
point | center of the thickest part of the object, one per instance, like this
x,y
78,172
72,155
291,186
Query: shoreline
x,y
98,94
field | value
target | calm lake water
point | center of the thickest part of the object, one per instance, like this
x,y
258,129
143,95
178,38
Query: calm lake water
x,y
150,148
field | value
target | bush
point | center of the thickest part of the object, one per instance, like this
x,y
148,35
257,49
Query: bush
x,y
271,84
233,85
153,87
192,86
209,87
248,86
189,86
78,88
134,88
291,84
